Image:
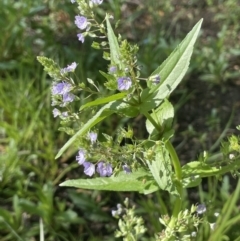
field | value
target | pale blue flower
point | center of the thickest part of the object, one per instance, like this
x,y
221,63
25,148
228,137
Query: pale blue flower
x,y
73,1
201,208
81,22
92,137
68,97
104,169
124,83
112,69
65,114
56,112
194,234
97,2
61,88
156,79
69,68
117,212
81,37
89,168
81,157
126,168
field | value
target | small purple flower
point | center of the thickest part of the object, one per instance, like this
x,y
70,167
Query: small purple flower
x,y
117,212
156,79
126,168
104,169
194,234
92,137
201,208
68,97
89,168
69,68
112,69
81,157
81,22
73,1
61,88
56,112
65,114
80,37
114,213
124,83
97,2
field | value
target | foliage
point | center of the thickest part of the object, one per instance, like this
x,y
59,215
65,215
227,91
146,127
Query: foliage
x,y
32,204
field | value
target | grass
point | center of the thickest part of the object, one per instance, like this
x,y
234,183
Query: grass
x,y
31,203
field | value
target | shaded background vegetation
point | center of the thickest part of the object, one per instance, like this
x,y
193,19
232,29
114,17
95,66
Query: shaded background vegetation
x,y
206,104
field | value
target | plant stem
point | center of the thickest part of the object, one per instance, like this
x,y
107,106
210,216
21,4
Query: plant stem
x,y
178,173
175,160
149,117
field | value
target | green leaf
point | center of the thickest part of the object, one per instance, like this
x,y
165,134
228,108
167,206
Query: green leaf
x,y
171,71
6,216
163,116
113,44
204,170
161,169
30,207
124,109
135,181
109,77
192,181
104,100
95,45
111,83
50,67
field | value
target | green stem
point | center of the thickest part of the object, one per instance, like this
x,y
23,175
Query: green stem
x,y
149,117
178,172
170,148
175,160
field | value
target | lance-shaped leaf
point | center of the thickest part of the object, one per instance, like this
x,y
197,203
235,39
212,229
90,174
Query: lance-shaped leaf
x,y
171,71
204,170
161,169
103,100
124,109
137,181
113,44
